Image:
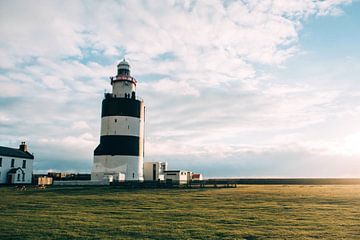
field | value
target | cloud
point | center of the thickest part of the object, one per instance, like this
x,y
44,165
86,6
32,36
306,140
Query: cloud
x,y
80,125
167,86
202,67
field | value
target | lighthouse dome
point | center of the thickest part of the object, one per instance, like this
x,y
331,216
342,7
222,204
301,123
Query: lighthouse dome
x,y
123,68
123,65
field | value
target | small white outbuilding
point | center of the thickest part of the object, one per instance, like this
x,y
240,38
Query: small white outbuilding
x,y
178,176
154,171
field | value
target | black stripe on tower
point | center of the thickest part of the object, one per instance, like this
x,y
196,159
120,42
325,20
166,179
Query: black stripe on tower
x,y
121,107
118,145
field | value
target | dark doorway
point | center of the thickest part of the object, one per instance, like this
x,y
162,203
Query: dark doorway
x,y
154,172
9,179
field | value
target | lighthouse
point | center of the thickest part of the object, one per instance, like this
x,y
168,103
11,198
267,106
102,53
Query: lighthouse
x,y
120,154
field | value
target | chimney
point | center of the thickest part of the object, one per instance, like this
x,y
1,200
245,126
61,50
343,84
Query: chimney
x,y
23,147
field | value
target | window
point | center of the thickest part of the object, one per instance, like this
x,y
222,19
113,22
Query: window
x,y
18,177
23,177
24,164
0,162
128,126
115,120
12,162
133,175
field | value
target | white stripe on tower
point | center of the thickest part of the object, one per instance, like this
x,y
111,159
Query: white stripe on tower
x,y
121,125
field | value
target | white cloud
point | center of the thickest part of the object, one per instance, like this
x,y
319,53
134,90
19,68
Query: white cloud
x,y
80,125
167,86
55,60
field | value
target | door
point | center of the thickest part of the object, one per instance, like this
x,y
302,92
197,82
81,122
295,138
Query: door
x,y
154,172
9,179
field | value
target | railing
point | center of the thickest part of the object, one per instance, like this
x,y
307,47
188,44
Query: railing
x,y
123,78
110,95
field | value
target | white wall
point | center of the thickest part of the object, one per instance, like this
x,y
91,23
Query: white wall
x,y
6,166
177,177
112,165
17,178
122,87
148,170
121,125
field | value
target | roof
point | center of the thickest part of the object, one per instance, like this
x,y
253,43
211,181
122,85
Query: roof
x,y
14,152
153,162
169,171
123,62
14,170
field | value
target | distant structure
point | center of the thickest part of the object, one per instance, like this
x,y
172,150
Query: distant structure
x,y
178,176
16,165
119,156
197,177
154,171
158,171
66,176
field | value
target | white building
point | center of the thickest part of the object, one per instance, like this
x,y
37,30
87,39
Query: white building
x,y
177,176
154,171
119,156
16,165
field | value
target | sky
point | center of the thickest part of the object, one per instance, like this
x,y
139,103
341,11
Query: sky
x,y
231,88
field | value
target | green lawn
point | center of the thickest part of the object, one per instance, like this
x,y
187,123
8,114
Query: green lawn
x,y
246,212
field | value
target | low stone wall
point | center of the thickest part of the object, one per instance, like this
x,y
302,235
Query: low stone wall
x,y
81,183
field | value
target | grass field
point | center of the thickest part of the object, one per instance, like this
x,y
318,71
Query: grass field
x,y
246,212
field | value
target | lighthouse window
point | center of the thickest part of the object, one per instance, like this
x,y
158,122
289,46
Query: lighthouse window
x,y
115,120
128,127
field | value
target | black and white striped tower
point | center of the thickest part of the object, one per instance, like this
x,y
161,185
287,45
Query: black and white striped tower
x,y
119,156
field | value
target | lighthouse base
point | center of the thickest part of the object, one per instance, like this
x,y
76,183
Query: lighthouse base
x,y
117,168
